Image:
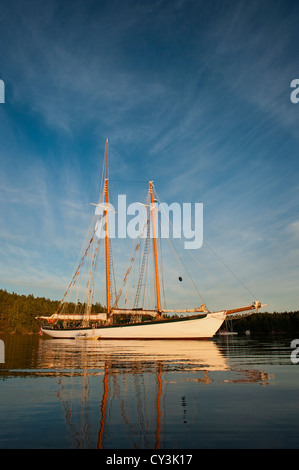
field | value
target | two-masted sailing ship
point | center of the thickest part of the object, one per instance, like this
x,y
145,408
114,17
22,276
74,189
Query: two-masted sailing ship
x,y
134,322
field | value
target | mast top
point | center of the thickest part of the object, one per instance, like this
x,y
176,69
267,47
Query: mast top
x,y
107,159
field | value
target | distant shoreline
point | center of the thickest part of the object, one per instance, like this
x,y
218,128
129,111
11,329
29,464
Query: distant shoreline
x,y
267,323
18,312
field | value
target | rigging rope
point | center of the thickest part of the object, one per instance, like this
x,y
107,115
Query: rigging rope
x,y
208,272
178,257
239,280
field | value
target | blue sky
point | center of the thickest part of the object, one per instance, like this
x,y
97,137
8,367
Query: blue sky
x,y
194,95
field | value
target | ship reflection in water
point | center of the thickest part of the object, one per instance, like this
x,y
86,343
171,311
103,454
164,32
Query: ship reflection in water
x,y
137,394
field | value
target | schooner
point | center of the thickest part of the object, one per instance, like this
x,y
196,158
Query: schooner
x,y
129,323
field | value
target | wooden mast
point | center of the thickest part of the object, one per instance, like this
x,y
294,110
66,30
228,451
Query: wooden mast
x,y
155,248
107,235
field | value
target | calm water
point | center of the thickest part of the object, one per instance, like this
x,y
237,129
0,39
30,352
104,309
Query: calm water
x,y
228,393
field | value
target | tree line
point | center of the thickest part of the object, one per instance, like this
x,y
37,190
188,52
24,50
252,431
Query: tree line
x,y
18,312
264,323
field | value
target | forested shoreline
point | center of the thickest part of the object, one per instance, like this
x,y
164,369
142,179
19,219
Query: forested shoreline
x,y
265,323
18,312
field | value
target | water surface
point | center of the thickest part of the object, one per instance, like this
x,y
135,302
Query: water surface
x,y
228,393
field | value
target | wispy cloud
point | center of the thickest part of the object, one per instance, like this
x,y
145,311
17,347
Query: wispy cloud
x,y
193,95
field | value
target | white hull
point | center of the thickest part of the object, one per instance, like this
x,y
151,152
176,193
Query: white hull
x,y
196,327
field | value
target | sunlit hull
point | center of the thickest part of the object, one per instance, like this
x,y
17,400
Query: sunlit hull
x,y
196,327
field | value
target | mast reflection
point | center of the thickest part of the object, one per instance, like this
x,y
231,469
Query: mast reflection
x,y
133,379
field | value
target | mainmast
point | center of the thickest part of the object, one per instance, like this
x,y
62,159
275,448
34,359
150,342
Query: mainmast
x,y
106,195
155,248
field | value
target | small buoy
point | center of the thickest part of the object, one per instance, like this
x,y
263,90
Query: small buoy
x,y
180,279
